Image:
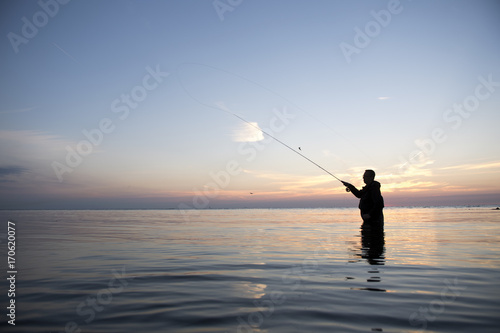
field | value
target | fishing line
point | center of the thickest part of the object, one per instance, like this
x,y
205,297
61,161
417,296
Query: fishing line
x,y
272,92
255,126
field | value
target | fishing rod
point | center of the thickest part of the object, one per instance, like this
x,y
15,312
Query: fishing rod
x,y
284,144
222,108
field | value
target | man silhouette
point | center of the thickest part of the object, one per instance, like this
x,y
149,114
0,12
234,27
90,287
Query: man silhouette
x,y
371,202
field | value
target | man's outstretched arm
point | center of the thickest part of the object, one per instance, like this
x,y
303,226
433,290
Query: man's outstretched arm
x,y
353,189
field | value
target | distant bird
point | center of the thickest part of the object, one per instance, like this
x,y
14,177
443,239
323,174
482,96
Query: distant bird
x,y
300,149
251,193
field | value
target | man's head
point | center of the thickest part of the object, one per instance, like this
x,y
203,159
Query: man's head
x,y
368,176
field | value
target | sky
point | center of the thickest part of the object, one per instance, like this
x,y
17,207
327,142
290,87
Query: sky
x,y
204,104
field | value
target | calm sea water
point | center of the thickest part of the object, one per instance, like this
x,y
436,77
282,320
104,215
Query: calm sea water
x,y
269,270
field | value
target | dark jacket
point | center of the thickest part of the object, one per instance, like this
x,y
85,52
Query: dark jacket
x,y
371,200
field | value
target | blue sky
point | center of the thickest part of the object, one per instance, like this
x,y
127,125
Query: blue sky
x,y
161,82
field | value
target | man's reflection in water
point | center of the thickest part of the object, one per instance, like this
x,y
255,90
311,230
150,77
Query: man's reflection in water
x,y
371,249
373,243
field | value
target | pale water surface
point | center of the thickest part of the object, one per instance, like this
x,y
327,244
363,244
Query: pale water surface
x,y
258,270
